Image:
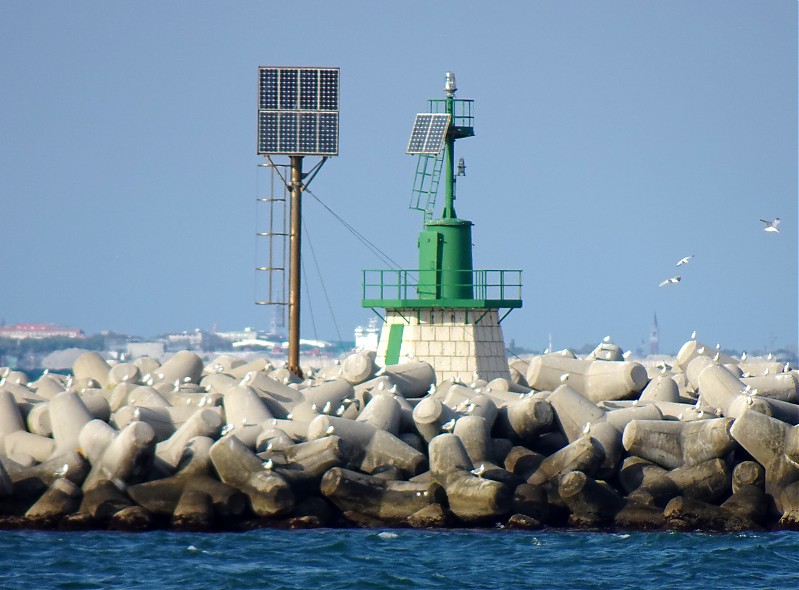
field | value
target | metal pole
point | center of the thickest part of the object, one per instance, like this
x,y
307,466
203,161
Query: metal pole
x,y
449,167
294,266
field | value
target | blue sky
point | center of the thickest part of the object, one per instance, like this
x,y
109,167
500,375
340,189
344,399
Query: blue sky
x,y
612,139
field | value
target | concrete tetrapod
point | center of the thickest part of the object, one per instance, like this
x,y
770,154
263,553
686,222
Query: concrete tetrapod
x,y
202,423
369,448
390,501
68,415
594,504
596,380
524,419
577,416
779,386
127,458
90,365
766,439
413,379
693,348
195,471
182,367
270,495
672,444
471,498
61,498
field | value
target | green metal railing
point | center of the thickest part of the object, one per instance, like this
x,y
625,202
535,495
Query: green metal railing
x,y
413,288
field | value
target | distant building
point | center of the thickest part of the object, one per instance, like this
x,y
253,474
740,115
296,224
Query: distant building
x,y
654,338
39,331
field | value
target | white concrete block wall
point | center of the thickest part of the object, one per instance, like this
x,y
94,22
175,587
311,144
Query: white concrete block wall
x,y
450,341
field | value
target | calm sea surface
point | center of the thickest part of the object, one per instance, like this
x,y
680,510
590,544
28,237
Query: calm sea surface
x,y
321,559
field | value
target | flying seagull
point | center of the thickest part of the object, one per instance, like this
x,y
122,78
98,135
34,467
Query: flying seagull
x,y
771,226
671,281
685,260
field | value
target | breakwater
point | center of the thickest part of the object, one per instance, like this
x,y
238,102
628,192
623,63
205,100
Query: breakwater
x,y
710,443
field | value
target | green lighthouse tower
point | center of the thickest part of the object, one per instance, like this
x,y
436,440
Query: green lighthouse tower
x,y
444,312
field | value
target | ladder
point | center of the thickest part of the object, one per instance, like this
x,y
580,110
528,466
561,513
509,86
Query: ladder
x,y
425,183
271,239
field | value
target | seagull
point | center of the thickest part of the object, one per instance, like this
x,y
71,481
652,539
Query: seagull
x,y
626,355
62,471
330,430
269,446
606,339
564,377
587,428
671,281
470,408
448,426
326,408
693,335
432,389
480,470
685,260
393,389
268,464
340,411
771,226
226,429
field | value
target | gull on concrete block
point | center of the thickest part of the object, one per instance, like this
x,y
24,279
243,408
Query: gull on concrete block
x,y
479,471
330,430
693,335
627,354
340,410
564,377
62,471
671,281
226,429
327,407
685,260
448,426
771,226
268,464
606,339
587,428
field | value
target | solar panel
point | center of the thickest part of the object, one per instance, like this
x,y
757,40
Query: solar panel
x,y
298,111
428,134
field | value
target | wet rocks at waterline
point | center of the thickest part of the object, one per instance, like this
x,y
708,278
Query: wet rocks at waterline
x,y
600,442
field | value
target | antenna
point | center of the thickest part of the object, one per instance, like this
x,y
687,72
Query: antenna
x,y
298,116
433,139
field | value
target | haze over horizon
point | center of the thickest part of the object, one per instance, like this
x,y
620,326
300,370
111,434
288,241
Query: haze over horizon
x,y
612,140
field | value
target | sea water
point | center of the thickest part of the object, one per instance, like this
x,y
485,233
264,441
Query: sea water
x,y
398,558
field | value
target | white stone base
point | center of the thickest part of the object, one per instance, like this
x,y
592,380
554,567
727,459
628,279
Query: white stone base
x,y
456,342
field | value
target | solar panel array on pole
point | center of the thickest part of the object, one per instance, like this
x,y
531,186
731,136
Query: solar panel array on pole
x,y
298,111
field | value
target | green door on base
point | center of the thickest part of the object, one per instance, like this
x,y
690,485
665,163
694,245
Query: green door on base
x,y
394,343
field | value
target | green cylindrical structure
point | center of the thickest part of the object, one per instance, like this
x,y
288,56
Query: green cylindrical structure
x,y
445,260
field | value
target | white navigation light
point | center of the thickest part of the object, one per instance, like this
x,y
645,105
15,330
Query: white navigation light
x,y
298,111
450,87
428,134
